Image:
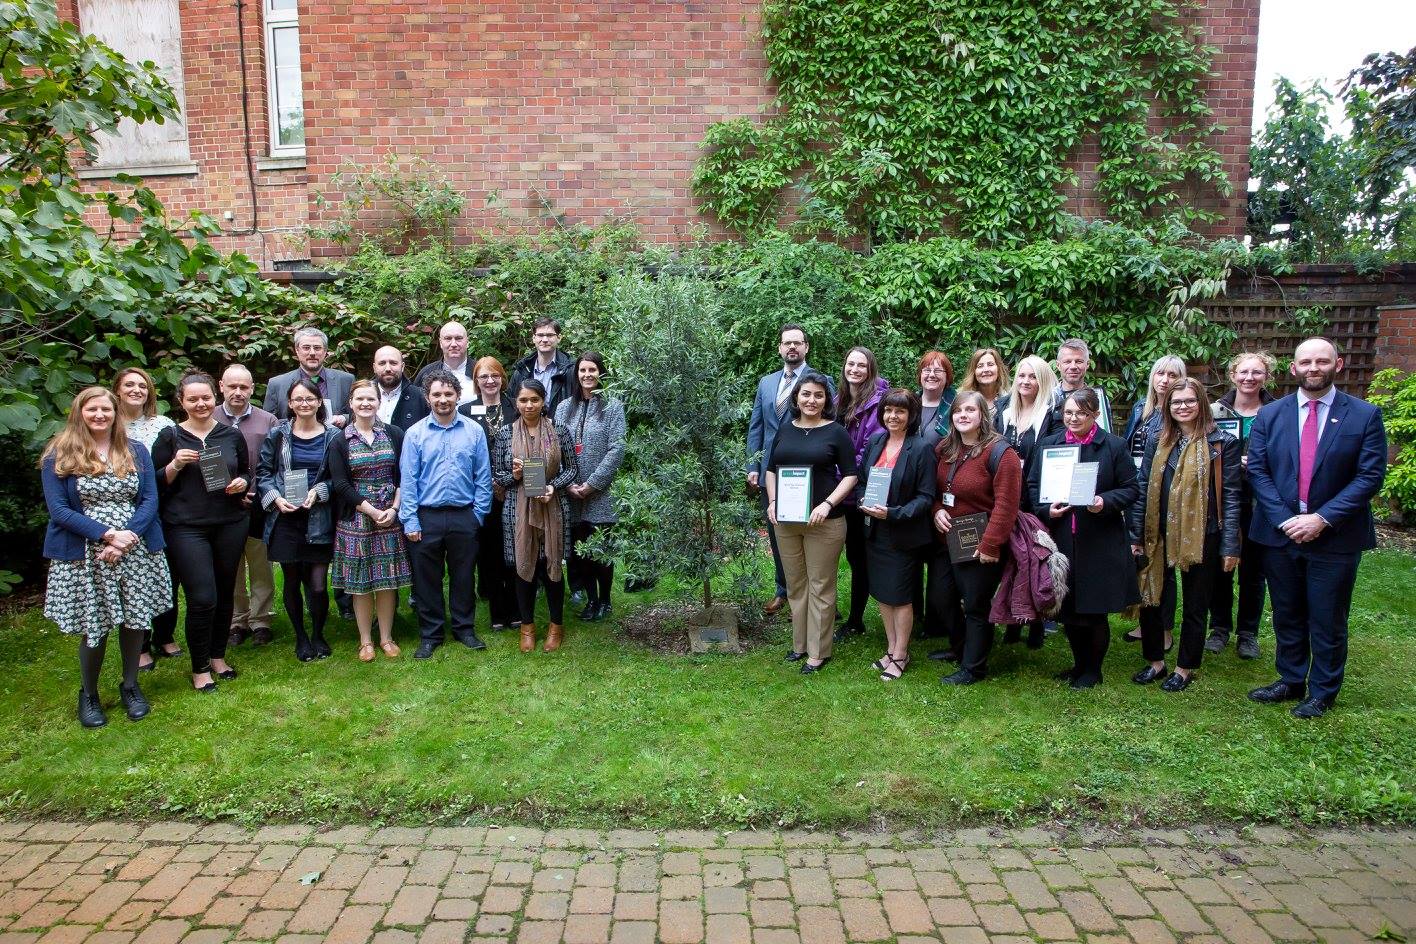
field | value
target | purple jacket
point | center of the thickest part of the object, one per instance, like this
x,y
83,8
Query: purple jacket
x,y
1026,591
867,424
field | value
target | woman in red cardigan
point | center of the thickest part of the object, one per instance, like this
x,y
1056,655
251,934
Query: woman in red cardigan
x,y
978,472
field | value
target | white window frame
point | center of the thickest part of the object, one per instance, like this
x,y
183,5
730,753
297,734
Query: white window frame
x,y
274,20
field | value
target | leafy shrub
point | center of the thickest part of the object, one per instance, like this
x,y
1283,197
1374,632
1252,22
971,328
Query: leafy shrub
x,y
1395,394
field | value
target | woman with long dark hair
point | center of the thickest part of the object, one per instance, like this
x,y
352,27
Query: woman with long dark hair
x,y
858,411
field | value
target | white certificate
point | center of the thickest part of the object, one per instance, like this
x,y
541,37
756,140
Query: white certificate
x,y
1055,480
794,494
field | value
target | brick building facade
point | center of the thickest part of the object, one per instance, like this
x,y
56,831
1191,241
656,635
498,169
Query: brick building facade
x,y
581,110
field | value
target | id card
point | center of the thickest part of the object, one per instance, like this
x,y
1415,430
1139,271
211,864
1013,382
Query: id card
x,y
212,464
947,499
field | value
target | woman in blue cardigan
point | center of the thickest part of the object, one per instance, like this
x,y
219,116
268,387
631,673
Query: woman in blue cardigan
x,y
104,544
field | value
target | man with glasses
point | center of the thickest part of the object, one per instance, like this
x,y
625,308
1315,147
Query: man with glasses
x,y
769,408
312,350
452,341
547,363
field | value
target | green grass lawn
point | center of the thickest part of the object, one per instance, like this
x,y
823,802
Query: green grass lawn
x,y
604,733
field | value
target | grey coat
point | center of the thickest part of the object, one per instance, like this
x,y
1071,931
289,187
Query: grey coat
x,y
501,475
600,440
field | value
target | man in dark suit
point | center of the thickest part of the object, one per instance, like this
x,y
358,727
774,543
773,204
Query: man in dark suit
x,y
769,409
1316,459
312,350
401,403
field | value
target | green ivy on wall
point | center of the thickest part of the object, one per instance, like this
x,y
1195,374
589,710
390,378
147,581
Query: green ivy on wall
x,y
902,119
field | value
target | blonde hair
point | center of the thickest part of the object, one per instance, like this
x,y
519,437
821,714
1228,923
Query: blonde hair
x,y
73,449
951,448
150,404
1035,415
1001,385
1166,362
1264,357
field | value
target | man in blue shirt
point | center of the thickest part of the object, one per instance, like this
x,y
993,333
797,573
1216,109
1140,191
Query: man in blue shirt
x,y
446,492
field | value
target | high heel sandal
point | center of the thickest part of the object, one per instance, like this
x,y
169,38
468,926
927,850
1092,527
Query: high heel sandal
x,y
880,663
898,665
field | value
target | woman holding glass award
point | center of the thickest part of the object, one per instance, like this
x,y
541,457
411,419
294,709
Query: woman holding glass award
x,y
979,479
535,462
203,469
370,553
1081,484
895,494
293,480
1186,519
810,472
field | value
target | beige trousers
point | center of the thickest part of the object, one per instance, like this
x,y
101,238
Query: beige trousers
x,y
255,609
811,557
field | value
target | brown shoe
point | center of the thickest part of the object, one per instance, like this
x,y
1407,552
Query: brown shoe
x,y
528,637
390,649
553,638
366,652
776,604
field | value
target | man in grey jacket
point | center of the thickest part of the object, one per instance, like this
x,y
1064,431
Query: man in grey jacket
x,y
312,350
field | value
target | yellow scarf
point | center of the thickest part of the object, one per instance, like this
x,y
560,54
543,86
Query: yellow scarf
x,y
1185,515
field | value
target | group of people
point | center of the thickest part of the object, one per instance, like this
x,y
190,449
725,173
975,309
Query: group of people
x,y
497,481
368,486
1278,490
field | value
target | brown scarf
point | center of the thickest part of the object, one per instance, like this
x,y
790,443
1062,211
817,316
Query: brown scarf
x,y
1185,515
538,523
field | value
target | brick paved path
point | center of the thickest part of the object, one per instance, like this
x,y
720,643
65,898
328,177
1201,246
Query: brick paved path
x,y
119,883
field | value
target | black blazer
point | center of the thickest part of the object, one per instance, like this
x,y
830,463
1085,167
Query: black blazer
x,y
1025,443
341,478
1224,519
912,492
507,408
412,406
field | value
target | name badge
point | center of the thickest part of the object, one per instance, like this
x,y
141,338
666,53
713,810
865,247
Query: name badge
x,y
477,410
947,500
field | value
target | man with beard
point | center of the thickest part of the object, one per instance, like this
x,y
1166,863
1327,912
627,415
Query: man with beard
x,y
452,341
312,350
1316,459
401,403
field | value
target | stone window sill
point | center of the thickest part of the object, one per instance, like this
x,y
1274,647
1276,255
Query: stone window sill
x,y
137,170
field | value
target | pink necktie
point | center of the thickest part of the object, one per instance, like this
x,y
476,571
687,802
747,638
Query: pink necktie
x,y
1307,452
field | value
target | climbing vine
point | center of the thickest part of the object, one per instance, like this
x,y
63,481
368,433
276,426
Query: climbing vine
x,y
905,119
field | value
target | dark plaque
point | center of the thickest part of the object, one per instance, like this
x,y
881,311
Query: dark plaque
x,y
966,535
533,476
212,464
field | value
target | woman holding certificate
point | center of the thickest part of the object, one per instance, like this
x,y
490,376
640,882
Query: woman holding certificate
x,y
979,479
294,479
810,472
1081,484
203,469
1187,519
535,462
1250,373
896,493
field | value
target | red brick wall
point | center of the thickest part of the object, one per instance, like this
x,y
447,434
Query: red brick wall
x,y
1396,338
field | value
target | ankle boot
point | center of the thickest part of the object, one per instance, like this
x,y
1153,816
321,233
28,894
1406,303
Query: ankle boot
x,y
322,649
134,702
553,638
528,637
90,711
304,649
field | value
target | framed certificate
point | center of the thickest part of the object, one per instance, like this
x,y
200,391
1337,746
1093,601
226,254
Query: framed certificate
x,y
794,494
1055,480
212,465
877,487
1234,428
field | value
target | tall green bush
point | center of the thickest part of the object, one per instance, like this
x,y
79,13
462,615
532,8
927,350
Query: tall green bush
x,y
1395,393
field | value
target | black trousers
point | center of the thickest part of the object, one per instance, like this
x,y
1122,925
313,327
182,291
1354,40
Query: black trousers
x,y
496,580
448,545
1250,575
205,559
596,578
963,593
164,625
1196,588
855,557
555,594
772,541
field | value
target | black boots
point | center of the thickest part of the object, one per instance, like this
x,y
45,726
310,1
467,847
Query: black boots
x,y
134,702
90,711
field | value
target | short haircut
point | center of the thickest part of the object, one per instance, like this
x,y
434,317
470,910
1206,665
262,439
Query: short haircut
x,y
792,327
1074,344
305,383
828,409
194,377
545,322
904,399
309,332
489,364
937,358
440,375
1264,357
150,404
1084,397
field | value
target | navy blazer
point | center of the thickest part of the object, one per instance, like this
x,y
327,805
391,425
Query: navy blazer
x,y
762,427
69,530
1347,475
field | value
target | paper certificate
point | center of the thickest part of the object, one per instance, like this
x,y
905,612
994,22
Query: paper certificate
x,y
794,494
1055,481
297,486
533,476
212,464
877,487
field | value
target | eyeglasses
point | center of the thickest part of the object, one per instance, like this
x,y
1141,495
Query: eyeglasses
x,y
1184,403
303,401
489,376
545,336
933,372
1075,414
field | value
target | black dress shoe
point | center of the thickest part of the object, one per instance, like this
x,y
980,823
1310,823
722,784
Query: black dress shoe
x,y
160,653
322,649
305,650
1248,647
1312,708
225,674
1068,675
1177,682
1149,674
1086,680
238,635
134,702
1012,633
794,657
208,688
1277,692
592,612
426,649
471,641
808,669
944,655
1133,636
261,636
150,667
90,711
961,677
346,611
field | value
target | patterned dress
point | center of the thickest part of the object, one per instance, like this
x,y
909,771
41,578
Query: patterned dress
x,y
89,596
367,558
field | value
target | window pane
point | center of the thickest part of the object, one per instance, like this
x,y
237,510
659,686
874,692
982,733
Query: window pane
x,y
281,5
288,95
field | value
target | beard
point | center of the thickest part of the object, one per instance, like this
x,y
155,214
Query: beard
x,y
1313,384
